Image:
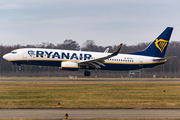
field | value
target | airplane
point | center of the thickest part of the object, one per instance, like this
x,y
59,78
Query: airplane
x,y
152,56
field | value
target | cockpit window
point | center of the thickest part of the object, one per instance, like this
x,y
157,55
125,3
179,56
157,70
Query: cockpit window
x,y
13,52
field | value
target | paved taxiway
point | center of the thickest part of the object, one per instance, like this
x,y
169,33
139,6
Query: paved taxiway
x,y
90,113
90,80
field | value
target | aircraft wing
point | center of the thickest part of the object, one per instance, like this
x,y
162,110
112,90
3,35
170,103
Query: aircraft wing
x,y
96,63
164,59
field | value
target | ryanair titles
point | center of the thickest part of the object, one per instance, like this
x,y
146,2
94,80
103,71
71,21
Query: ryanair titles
x,y
59,55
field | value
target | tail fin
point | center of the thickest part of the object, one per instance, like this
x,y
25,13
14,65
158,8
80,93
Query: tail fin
x,y
158,47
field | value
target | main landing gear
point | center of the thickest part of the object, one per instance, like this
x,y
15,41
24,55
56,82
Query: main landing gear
x,y
87,73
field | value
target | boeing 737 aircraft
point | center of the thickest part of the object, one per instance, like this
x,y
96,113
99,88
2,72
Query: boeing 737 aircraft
x,y
73,60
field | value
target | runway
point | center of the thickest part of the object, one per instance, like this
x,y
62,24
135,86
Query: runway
x,y
90,113
91,80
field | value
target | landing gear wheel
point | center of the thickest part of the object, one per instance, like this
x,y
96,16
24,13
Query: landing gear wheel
x,y
87,73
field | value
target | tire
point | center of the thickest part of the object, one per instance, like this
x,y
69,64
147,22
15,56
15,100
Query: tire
x,y
87,73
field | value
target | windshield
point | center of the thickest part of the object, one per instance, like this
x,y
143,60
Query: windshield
x,y
13,52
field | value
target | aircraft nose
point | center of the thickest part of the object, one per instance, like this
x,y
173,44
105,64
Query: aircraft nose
x,y
6,56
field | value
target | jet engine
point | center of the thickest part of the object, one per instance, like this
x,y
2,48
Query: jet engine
x,y
68,65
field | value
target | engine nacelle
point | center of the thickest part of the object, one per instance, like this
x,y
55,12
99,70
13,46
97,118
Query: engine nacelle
x,y
67,65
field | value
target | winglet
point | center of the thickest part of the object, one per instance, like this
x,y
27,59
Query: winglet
x,y
117,50
106,51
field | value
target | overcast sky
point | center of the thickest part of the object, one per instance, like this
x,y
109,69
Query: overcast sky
x,y
107,22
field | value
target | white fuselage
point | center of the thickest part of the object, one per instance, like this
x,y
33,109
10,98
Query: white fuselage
x,y
54,57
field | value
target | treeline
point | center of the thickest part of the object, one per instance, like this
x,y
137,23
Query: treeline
x,y
170,69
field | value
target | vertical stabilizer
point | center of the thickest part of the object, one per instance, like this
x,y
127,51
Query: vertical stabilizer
x,y
158,47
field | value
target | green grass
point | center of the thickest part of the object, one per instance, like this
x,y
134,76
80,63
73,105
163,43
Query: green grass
x,y
90,94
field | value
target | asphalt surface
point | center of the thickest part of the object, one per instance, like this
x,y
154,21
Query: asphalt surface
x,y
90,113
90,80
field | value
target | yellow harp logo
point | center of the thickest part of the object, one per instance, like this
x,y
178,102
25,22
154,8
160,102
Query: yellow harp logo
x,y
161,44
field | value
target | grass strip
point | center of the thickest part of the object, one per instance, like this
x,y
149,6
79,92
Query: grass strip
x,y
90,94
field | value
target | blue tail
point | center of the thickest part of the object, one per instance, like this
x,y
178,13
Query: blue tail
x,y
158,47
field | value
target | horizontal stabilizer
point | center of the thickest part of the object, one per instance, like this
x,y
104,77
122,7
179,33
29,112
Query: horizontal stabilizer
x,y
164,59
